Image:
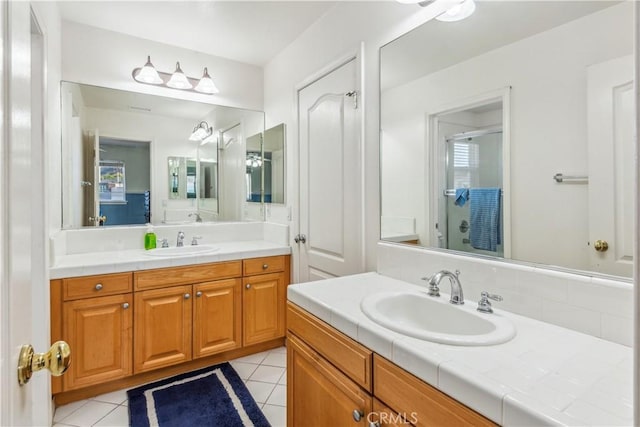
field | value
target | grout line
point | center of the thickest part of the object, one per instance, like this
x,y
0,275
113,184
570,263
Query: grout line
x,y
105,415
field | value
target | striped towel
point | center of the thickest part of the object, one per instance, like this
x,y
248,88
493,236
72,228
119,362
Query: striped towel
x,y
484,230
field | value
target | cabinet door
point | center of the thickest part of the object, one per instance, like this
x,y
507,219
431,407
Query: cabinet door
x,y
217,317
263,307
383,416
320,395
162,331
99,333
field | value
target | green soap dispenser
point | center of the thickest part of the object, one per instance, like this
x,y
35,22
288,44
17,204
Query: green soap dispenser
x,y
150,238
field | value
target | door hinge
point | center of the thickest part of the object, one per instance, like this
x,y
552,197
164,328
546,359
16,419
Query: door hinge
x,y
353,94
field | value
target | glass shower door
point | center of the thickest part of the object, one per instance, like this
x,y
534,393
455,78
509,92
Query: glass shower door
x,y
473,161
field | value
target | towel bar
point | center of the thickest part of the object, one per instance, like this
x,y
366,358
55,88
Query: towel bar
x,y
560,178
450,192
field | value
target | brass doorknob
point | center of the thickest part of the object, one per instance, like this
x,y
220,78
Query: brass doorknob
x,y
56,360
600,245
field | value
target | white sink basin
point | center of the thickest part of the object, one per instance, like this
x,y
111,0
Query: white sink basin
x,y
434,319
181,251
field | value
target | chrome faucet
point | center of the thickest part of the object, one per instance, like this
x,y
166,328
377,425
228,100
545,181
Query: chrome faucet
x,y
197,215
456,288
180,241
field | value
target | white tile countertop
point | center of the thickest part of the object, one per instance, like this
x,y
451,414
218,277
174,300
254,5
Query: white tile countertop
x,y
138,259
546,375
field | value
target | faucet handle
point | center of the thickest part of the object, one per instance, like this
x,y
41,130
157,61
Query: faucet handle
x,y
484,306
164,243
434,290
194,240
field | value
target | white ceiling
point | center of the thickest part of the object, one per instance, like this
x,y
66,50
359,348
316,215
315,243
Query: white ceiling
x,y
252,32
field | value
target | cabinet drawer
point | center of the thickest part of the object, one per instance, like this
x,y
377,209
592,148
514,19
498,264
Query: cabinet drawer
x,y
419,401
96,286
350,357
270,264
160,278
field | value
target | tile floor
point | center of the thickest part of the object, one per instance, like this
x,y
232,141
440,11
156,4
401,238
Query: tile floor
x,y
263,373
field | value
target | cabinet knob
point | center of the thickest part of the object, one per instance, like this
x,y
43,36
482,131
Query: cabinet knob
x,y
265,266
187,296
125,305
248,286
199,294
98,286
357,415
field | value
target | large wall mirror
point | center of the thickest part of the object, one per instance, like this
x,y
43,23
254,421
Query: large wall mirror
x,y
511,134
127,158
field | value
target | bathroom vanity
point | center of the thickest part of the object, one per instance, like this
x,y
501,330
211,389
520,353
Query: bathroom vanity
x,y
346,369
142,317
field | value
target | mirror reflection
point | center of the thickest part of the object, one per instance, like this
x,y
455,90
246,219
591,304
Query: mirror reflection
x,y
265,161
274,164
510,134
127,158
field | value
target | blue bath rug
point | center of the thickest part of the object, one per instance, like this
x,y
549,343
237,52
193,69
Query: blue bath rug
x,y
214,396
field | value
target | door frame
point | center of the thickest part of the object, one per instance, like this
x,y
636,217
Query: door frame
x,y
358,56
434,155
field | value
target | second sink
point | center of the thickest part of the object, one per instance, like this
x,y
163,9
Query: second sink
x,y
417,315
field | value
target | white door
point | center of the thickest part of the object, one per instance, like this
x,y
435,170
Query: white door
x,y
611,136
23,288
330,176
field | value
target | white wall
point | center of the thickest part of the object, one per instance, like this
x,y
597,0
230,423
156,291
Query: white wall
x,y
548,125
105,58
340,31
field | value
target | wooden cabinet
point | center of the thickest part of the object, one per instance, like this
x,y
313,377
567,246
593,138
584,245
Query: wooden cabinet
x,y
324,365
129,328
318,394
97,328
263,299
217,317
162,331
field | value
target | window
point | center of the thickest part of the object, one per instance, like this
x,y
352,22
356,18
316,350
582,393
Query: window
x,y
112,182
466,164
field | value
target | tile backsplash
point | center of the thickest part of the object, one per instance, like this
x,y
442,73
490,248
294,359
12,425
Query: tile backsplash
x,y
596,306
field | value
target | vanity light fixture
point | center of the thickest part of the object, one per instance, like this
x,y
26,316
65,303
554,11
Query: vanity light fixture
x,y
254,160
147,74
201,132
457,12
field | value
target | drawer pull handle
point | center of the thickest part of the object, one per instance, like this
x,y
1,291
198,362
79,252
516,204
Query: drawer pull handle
x,y
248,286
265,266
98,286
125,305
187,296
198,294
357,415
